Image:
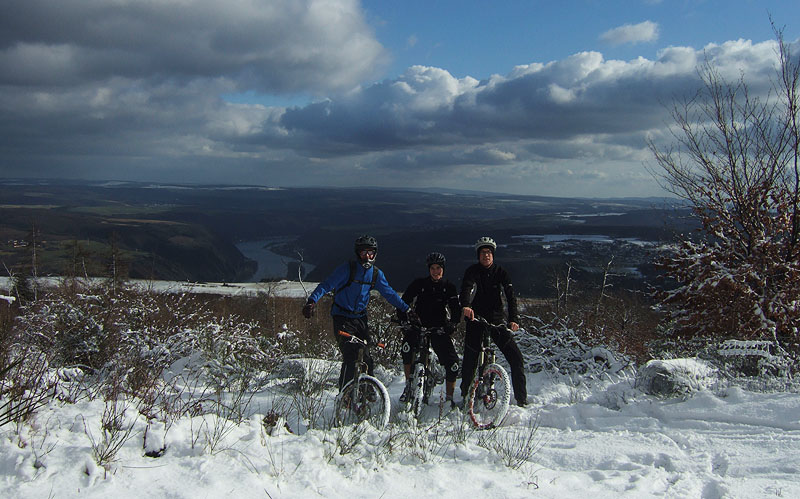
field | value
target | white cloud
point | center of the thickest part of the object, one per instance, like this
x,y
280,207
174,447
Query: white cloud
x,y
646,31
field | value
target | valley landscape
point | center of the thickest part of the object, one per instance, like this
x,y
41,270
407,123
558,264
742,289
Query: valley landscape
x,y
191,232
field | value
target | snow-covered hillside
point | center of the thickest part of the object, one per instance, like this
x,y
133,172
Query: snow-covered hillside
x,y
603,439
594,434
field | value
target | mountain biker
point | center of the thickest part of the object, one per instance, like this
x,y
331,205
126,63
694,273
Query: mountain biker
x,y
351,284
490,282
435,300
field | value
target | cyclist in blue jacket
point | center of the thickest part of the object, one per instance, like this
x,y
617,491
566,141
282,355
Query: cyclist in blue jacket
x,y
351,284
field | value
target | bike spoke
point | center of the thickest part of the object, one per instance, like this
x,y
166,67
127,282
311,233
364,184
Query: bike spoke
x,y
489,397
366,400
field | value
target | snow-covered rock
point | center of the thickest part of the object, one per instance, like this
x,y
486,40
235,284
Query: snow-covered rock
x,y
675,377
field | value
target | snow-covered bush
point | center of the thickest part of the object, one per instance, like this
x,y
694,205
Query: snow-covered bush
x,y
735,159
234,352
71,328
135,335
558,349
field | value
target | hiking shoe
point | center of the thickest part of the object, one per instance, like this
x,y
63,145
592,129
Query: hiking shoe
x,y
522,403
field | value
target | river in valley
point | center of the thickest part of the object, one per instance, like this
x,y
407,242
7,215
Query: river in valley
x,y
271,266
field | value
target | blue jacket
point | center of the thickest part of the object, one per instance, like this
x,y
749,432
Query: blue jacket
x,y
352,301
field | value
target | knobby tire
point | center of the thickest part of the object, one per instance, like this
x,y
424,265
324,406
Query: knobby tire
x,y
488,397
372,403
416,399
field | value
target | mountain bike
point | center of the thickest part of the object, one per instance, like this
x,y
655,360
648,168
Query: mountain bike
x,y
364,398
423,375
490,391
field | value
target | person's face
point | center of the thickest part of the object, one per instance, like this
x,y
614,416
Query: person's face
x,y
367,254
485,257
436,271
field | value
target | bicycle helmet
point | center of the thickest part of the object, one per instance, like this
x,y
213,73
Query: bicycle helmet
x,y
366,243
435,258
485,242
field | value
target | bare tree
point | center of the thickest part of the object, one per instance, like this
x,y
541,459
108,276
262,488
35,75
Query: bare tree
x,y
561,283
606,284
734,158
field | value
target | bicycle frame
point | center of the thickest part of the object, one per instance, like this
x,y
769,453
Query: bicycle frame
x,y
486,355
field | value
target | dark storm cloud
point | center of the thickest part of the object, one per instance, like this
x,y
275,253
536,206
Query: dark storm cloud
x,y
282,45
103,85
136,90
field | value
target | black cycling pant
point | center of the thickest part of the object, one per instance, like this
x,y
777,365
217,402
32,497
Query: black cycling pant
x,y
442,344
506,344
357,326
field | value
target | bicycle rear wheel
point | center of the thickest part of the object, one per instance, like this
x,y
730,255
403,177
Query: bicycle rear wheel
x,y
366,400
488,397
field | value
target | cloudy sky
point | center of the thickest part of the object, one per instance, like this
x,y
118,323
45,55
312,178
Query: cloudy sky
x,y
520,96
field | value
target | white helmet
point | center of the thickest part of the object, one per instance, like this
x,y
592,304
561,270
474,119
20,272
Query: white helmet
x,y
485,242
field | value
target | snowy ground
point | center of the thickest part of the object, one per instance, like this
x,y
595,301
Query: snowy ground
x,y
590,438
603,439
281,288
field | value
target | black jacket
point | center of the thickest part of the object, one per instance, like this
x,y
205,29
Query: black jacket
x,y
431,301
490,286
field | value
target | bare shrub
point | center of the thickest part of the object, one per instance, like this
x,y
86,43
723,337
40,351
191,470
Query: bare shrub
x,y
115,428
25,385
515,446
623,321
227,413
310,394
343,440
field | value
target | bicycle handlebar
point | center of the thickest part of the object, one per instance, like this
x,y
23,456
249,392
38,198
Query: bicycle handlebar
x,y
355,339
408,325
422,329
496,326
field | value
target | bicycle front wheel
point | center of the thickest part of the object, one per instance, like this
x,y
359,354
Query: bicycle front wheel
x,y
488,397
363,400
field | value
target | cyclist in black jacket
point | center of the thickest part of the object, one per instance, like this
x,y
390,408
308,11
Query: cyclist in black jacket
x,y
482,290
435,301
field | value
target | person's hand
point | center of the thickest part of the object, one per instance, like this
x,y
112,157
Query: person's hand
x,y
308,309
513,326
413,318
468,313
402,316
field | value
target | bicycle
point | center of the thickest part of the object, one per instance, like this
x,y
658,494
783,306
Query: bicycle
x,y
490,391
364,398
423,376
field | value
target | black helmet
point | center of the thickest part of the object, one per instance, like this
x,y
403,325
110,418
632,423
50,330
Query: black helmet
x,y
366,242
435,258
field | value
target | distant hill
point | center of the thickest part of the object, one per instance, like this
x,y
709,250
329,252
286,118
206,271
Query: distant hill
x,y
189,232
